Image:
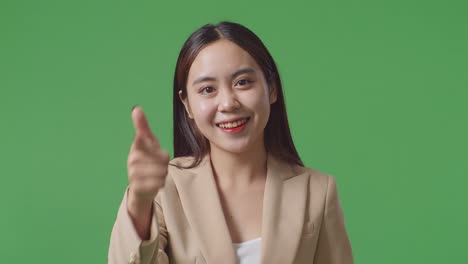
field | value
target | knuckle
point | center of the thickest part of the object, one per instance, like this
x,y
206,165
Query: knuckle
x,y
165,157
160,170
162,157
132,159
164,172
131,171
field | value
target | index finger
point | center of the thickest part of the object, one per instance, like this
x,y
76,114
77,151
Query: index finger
x,y
142,127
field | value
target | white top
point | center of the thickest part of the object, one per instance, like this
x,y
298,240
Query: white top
x,y
248,252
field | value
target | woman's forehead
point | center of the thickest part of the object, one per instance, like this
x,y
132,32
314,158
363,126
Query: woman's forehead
x,y
219,59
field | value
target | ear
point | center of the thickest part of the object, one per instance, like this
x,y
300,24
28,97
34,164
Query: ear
x,y
273,94
185,102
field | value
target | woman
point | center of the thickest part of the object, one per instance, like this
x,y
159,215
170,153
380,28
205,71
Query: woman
x,y
236,191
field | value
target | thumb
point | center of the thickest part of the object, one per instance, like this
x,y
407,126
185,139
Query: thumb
x,y
143,132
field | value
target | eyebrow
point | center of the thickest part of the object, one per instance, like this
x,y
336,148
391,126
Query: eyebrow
x,y
234,75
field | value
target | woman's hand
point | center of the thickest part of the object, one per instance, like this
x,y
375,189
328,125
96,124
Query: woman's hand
x,y
147,170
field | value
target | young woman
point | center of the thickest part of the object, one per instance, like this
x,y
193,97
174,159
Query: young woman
x,y
236,191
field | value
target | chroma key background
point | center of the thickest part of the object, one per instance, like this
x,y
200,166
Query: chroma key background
x,y
376,92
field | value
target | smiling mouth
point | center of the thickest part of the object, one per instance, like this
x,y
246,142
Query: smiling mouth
x,y
234,124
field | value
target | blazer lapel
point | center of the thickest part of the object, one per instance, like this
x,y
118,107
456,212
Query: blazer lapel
x,y
201,203
283,212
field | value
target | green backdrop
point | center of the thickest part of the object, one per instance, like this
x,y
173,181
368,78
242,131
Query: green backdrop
x,y
376,93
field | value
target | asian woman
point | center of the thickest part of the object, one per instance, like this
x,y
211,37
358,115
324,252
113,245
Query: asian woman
x,y
236,190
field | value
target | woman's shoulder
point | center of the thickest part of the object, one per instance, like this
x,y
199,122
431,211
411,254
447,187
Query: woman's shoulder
x,y
317,179
181,162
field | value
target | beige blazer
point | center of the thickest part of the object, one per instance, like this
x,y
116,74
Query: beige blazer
x,y
302,220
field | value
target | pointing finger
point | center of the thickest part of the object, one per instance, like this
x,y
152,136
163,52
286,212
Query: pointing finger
x,y
143,133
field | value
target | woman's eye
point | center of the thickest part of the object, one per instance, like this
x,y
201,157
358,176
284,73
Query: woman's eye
x,y
243,82
206,90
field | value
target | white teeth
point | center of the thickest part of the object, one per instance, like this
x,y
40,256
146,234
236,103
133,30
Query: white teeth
x,y
233,124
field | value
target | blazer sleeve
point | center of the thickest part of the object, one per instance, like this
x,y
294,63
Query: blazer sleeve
x,y
333,245
127,247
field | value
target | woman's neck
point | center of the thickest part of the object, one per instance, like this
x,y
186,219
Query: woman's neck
x,y
233,170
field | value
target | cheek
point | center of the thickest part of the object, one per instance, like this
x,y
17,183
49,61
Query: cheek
x,y
203,111
258,102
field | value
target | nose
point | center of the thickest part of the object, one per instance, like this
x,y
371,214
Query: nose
x,y
228,101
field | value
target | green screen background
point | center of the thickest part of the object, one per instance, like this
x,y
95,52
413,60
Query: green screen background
x,y
376,93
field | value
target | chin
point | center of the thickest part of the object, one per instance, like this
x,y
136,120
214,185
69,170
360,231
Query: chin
x,y
232,148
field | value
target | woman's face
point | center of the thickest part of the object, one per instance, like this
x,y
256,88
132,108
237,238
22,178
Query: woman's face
x,y
228,97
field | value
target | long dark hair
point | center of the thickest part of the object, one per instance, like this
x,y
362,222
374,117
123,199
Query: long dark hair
x,y
188,140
